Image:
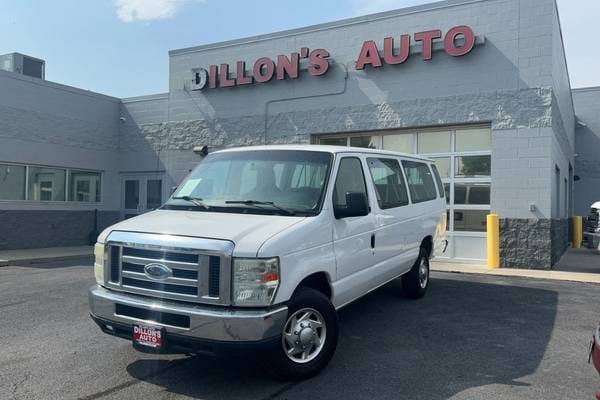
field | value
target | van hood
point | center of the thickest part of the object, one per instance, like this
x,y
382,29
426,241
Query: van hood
x,y
247,231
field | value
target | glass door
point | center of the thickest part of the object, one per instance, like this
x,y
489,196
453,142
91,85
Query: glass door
x,y
141,193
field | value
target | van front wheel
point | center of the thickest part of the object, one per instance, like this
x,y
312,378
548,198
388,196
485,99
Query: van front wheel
x,y
309,337
416,281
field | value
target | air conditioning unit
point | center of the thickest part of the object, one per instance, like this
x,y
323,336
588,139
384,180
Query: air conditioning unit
x,y
24,65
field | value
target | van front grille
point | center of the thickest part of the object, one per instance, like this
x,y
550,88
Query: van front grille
x,y
188,276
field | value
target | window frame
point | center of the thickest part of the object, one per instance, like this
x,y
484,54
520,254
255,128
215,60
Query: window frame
x,y
402,177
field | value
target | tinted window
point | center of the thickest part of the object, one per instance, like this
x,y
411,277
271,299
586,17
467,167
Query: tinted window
x,y
46,184
438,180
473,166
420,181
12,182
84,186
388,181
350,178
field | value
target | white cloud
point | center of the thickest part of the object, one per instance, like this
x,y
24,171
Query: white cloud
x,y
362,7
147,10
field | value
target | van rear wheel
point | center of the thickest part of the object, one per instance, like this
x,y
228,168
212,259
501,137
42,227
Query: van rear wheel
x,y
308,340
416,281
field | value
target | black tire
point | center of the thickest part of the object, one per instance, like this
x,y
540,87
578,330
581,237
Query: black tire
x,y
279,365
412,281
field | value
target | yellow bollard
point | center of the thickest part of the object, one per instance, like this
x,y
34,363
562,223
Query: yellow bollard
x,y
493,241
577,231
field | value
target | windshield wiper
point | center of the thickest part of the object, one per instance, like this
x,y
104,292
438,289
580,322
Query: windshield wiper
x,y
196,200
261,203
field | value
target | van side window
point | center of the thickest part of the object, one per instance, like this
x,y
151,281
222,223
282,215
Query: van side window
x,y
388,181
350,178
438,180
420,181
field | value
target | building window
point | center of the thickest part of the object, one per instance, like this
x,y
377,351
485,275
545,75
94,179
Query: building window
x,y
556,192
12,182
404,143
434,142
463,158
85,186
46,184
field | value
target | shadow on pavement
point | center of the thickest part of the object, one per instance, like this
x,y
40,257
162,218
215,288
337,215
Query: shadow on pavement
x,y
461,335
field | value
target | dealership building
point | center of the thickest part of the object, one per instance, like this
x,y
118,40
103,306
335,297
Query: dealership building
x,y
480,86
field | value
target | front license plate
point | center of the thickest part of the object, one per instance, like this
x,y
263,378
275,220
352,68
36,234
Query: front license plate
x,y
150,336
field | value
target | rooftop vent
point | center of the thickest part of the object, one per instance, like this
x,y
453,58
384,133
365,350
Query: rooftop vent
x,y
24,65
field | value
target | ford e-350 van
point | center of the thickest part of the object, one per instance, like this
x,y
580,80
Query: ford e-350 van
x,y
260,246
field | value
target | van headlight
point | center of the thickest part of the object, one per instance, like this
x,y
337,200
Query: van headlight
x,y
99,258
255,281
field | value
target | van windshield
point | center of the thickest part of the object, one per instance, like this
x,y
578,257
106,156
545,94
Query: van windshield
x,y
288,182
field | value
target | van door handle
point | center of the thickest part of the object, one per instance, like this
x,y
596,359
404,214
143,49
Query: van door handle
x,y
373,241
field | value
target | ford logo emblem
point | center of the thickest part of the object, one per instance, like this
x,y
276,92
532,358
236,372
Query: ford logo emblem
x,y
157,271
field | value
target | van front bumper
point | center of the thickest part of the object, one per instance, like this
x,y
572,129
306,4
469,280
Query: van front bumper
x,y
188,327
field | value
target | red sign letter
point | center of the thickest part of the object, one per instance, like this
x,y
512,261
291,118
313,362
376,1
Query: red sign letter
x,y
427,39
240,72
450,41
368,55
263,71
224,80
212,76
285,66
388,50
318,62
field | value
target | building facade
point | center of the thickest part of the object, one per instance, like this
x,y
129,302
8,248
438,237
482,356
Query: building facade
x,y
481,86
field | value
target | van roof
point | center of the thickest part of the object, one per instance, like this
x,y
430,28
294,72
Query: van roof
x,y
326,149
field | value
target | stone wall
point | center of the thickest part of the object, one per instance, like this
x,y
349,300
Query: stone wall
x,y
506,109
532,243
27,229
560,238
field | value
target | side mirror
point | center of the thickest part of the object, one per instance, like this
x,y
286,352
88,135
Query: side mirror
x,y
356,206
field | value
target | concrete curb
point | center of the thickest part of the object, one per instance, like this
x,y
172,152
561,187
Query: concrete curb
x,y
38,256
523,273
39,260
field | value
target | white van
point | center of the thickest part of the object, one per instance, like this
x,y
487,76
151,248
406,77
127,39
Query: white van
x,y
260,246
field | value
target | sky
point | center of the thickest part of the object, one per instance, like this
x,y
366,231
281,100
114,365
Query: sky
x,y
120,47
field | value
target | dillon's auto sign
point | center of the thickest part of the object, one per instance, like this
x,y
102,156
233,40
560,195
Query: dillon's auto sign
x,y
283,66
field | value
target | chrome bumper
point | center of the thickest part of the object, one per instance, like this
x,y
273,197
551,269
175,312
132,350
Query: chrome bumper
x,y
205,323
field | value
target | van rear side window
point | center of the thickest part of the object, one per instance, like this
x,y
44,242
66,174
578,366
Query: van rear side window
x,y
388,181
420,181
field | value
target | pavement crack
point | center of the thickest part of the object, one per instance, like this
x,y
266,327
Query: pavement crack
x,y
17,385
135,381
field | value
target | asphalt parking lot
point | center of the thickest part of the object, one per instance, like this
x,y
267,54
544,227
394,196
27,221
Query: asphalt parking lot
x,y
471,337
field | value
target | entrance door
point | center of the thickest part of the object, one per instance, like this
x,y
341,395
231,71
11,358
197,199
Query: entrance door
x,y
141,193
